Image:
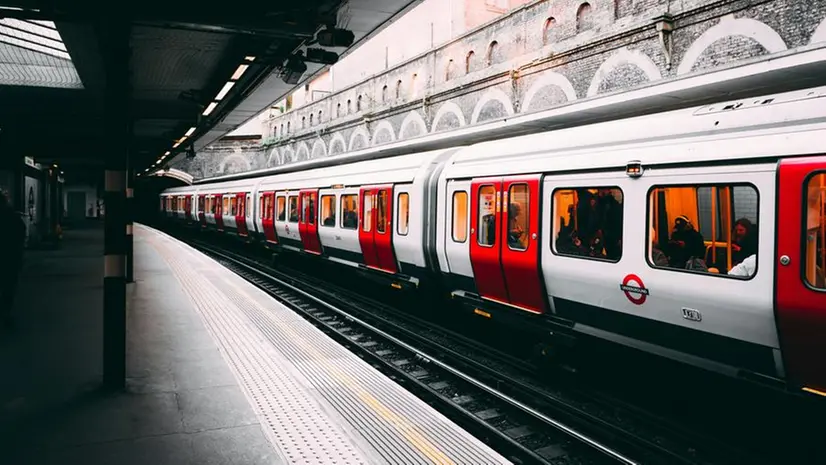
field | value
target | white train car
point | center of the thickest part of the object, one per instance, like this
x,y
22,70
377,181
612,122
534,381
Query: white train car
x,y
664,233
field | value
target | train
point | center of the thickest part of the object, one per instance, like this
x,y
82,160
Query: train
x,y
695,234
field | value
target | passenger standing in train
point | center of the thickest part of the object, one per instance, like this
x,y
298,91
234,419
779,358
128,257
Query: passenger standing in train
x,y
516,234
744,243
12,240
686,247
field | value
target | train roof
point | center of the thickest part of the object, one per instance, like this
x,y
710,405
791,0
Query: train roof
x,y
750,128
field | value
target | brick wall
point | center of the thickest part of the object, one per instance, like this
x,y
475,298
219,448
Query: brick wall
x,y
563,50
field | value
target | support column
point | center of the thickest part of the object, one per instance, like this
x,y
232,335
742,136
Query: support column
x,y
130,215
115,35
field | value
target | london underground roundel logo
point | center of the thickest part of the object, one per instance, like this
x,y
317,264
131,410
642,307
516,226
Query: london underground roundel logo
x,y
634,289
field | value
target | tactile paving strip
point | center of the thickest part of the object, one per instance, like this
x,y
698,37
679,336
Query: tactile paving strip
x,y
400,427
293,420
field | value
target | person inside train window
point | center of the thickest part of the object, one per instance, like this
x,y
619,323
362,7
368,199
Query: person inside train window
x,y
310,209
282,208
686,248
745,268
517,239
658,258
328,210
293,209
487,216
744,241
594,224
349,212
381,211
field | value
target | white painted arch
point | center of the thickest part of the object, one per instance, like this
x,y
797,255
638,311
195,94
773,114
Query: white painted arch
x,y
490,95
337,138
236,157
624,56
359,132
319,149
274,155
731,26
447,107
413,118
547,80
173,173
383,125
302,151
287,155
819,34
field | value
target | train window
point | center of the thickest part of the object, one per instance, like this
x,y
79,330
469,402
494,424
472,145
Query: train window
x,y
381,211
226,208
459,216
486,235
293,209
815,234
310,209
588,222
707,229
403,221
282,208
518,213
261,204
328,210
367,211
349,211
269,213
233,207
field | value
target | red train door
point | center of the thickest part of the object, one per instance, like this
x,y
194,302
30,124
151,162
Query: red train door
x,y
268,216
308,221
188,208
520,244
486,240
201,209
240,214
219,212
383,232
367,225
801,263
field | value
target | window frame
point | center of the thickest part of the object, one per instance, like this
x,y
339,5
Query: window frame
x,y
342,215
320,210
555,215
804,219
527,214
479,216
275,208
399,213
453,216
287,216
697,186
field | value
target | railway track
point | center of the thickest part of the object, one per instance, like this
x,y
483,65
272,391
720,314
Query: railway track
x,y
517,430
528,422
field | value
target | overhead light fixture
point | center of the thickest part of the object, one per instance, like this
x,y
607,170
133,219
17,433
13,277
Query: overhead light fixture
x,y
225,90
166,154
293,69
249,58
335,37
209,108
319,55
176,144
239,72
190,131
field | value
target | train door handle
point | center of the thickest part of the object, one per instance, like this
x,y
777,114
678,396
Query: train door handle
x,y
785,260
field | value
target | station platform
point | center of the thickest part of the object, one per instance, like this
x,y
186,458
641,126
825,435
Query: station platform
x,y
218,373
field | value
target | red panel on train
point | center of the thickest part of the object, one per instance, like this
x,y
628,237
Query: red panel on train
x,y
308,221
485,240
801,295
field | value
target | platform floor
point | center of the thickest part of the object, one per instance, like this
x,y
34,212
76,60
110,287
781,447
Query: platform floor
x,y
218,373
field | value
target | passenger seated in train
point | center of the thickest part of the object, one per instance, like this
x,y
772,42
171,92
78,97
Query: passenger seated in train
x,y
744,241
686,248
351,219
658,258
745,268
516,234
329,221
594,226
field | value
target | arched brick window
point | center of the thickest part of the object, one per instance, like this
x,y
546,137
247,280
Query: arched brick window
x,y
384,94
469,61
349,106
547,30
414,81
338,110
449,70
311,119
358,103
303,122
319,116
288,126
584,19
493,53
399,88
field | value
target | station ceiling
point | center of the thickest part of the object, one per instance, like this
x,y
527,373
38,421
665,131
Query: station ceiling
x,y
205,65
